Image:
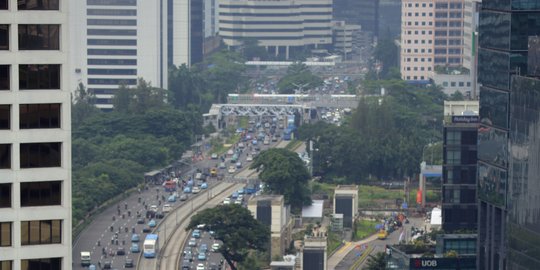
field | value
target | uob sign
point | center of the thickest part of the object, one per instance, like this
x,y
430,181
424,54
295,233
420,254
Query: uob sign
x,y
425,263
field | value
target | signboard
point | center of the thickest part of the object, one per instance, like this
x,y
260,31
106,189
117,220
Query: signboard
x,y
442,263
465,119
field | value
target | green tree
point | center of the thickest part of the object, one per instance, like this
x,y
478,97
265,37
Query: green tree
x,y
298,76
122,99
376,262
82,106
236,228
284,173
456,96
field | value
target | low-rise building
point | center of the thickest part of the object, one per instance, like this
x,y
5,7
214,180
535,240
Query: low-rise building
x,y
346,203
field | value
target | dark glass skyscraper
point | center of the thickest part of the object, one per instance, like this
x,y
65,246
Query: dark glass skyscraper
x,y
362,12
508,136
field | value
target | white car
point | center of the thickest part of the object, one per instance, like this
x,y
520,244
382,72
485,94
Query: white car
x,y
266,142
249,158
200,266
222,165
232,169
227,200
215,247
230,152
166,208
238,202
196,190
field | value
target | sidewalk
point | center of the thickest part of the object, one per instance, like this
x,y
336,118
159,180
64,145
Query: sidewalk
x,y
338,256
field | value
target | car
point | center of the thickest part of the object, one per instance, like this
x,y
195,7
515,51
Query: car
x,y
240,197
222,165
186,251
212,233
238,165
203,248
128,263
188,255
241,145
187,189
196,190
214,156
238,202
266,142
107,265
172,198
257,148
135,238
154,208
234,195
152,223
213,266
140,221
200,266
230,152
183,197
241,191
249,158
166,208
201,257
196,234
160,215
146,230
192,242
232,169
213,172
120,251
204,186
134,248
215,247
254,142
227,200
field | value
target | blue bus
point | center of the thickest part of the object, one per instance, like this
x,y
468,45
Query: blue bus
x,y
287,134
150,246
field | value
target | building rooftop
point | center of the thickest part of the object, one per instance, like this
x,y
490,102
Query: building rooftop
x,y
275,199
315,210
347,187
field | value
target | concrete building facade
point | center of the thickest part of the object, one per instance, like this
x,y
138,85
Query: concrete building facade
x,y
345,37
116,42
35,135
282,26
272,211
346,203
314,253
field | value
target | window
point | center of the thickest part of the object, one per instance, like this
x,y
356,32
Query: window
x,y
37,4
112,42
39,116
5,195
95,71
40,155
39,37
4,36
5,234
6,265
4,6
41,193
4,77
113,62
42,264
453,84
39,77
112,12
5,156
41,232
111,32
111,22
453,137
5,116
453,157
445,84
461,84
112,2
112,52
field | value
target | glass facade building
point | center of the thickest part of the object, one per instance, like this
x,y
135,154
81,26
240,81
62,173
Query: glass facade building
x,y
508,144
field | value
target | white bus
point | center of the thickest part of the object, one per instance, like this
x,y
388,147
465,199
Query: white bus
x,y
150,246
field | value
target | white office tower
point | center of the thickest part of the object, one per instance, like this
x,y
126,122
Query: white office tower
x,y
35,135
115,42
281,26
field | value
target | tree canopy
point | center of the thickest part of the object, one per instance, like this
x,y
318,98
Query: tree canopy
x,y
376,262
298,76
236,228
383,138
284,173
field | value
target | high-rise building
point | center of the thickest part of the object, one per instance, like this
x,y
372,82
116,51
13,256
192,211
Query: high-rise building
x,y
358,12
389,19
185,19
35,135
417,35
508,144
115,42
459,207
281,26
470,41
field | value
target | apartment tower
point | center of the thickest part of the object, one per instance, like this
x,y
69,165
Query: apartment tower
x,y
35,135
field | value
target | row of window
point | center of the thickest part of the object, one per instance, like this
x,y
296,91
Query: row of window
x,y
33,36
417,14
454,84
32,77
418,50
415,78
416,59
449,60
418,68
34,232
423,32
45,193
416,41
32,5
418,5
417,23
32,116
33,155
445,41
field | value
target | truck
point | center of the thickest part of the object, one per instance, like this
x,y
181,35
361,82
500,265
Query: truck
x,y
85,258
